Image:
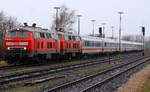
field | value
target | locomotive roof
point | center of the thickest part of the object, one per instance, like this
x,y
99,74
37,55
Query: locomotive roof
x,y
32,29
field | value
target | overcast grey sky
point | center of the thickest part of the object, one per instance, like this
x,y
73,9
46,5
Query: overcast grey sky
x,y
137,12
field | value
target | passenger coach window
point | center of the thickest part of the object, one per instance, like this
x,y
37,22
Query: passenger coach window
x,y
12,34
22,34
105,44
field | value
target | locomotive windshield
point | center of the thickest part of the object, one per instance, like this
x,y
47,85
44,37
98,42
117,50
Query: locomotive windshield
x,y
22,34
12,34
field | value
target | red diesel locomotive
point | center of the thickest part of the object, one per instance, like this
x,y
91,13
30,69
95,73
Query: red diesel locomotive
x,y
31,41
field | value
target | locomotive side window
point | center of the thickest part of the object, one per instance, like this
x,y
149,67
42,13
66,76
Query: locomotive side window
x,y
69,37
42,35
36,35
12,34
73,38
22,34
48,35
66,37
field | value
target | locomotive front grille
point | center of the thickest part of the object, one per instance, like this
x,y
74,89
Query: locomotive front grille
x,y
17,50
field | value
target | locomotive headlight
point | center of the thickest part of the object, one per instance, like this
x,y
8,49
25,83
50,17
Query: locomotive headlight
x,y
8,48
25,48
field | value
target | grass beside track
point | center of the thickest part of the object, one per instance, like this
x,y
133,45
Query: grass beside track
x,y
146,86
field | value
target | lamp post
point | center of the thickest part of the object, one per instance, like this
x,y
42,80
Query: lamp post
x,y
120,13
93,21
79,23
112,31
57,8
103,29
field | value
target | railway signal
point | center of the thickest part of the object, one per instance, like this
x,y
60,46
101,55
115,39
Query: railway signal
x,y
143,31
100,31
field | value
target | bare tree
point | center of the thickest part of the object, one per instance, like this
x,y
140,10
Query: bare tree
x,y
6,23
66,19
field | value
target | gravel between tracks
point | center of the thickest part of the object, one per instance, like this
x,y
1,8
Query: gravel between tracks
x,y
109,87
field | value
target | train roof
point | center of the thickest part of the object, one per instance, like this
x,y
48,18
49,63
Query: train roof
x,y
110,40
92,38
131,42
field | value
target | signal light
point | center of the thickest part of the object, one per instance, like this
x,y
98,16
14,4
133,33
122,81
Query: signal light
x,y
143,31
100,31
8,48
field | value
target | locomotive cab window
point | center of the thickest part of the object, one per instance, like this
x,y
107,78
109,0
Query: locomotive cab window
x,y
22,34
12,34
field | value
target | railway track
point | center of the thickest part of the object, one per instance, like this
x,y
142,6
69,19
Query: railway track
x,y
13,69
12,77
91,82
14,66
25,75
4,80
